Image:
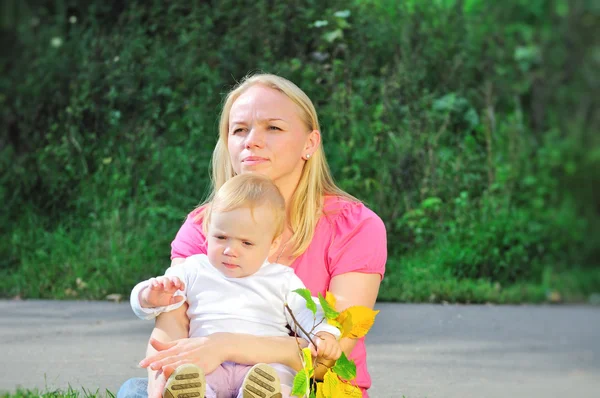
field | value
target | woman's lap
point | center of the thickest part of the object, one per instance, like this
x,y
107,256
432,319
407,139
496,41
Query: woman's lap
x,y
136,387
230,373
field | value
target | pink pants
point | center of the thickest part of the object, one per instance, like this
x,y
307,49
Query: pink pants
x,y
226,381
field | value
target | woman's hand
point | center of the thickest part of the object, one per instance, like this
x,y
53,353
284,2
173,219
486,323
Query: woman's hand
x,y
206,352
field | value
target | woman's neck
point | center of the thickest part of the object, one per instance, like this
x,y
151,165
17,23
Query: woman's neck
x,y
287,190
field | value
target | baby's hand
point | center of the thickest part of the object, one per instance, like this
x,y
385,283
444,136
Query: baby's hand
x,y
327,346
160,292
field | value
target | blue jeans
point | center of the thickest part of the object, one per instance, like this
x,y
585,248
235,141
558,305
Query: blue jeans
x,y
136,387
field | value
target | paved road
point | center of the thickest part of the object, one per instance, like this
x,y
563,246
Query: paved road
x,y
414,350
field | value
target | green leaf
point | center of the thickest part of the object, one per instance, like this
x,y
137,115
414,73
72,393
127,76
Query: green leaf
x,y
335,323
342,14
300,387
310,304
330,37
345,368
330,312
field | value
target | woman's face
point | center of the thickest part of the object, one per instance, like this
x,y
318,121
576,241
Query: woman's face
x,y
267,136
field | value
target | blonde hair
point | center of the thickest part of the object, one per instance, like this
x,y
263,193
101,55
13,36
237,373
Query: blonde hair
x,y
249,191
306,204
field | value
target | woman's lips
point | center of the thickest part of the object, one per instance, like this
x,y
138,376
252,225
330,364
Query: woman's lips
x,y
254,160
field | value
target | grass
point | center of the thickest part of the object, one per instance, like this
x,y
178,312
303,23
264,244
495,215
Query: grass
x,y
419,278
109,254
69,393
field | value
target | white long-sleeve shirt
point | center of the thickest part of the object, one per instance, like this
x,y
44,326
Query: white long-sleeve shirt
x,y
253,304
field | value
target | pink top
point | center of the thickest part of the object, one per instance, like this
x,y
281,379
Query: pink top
x,y
349,237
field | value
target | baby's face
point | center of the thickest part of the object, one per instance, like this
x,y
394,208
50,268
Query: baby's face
x,y
238,243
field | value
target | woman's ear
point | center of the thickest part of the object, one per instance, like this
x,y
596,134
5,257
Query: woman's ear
x,y
312,142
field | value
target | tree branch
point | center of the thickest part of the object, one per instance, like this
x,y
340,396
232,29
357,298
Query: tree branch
x,y
289,310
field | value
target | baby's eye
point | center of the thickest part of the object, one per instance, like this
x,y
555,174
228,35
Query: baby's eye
x,y
246,243
220,237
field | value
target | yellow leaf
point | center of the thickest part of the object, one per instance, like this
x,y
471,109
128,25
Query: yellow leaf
x,y
307,361
330,384
345,321
330,298
349,391
361,319
333,387
320,390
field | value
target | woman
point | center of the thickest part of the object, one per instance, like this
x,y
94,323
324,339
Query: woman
x,y
332,241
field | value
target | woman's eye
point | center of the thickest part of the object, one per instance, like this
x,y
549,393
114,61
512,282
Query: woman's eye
x,y
238,130
274,128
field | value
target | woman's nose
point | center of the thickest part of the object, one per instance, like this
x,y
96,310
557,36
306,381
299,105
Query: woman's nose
x,y
255,138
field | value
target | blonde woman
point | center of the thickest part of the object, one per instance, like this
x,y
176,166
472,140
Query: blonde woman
x,y
332,241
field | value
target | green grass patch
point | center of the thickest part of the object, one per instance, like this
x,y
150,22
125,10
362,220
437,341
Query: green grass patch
x,y
422,278
115,251
68,393
109,254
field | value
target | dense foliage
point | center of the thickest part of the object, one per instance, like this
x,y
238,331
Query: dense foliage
x,y
468,126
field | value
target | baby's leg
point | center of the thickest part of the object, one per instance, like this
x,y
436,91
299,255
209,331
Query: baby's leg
x,y
220,382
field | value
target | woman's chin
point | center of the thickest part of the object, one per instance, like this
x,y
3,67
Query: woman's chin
x,y
265,171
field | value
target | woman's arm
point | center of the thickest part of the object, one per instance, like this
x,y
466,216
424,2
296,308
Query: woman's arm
x,y
211,351
249,350
352,288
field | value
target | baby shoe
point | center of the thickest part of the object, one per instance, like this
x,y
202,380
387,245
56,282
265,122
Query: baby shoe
x,y
262,381
187,381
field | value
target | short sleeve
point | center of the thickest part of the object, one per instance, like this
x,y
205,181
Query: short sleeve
x,y
190,239
359,242
302,314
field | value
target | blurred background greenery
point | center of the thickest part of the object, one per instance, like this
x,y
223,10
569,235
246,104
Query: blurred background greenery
x,y
469,126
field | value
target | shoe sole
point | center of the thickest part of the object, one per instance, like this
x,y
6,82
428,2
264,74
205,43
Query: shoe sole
x,y
262,381
187,381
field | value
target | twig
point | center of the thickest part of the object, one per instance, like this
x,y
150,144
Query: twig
x,y
289,310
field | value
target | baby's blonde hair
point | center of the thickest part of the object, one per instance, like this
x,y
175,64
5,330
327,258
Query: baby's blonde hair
x,y
248,190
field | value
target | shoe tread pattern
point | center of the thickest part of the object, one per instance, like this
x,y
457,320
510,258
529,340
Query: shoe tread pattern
x,y
187,381
262,381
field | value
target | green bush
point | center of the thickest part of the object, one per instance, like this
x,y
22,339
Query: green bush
x,y
466,125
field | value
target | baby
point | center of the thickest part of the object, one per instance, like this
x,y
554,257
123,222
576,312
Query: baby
x,y
233,288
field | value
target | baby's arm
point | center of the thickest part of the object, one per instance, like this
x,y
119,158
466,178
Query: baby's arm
x,y
324,335
169,326
160,292
157,295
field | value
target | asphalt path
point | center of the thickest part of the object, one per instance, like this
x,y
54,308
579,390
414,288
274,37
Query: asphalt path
x,y
449,351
